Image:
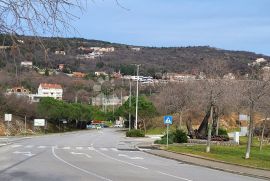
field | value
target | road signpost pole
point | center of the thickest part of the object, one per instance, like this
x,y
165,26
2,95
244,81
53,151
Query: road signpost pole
x,y
167,135
167,121
8,118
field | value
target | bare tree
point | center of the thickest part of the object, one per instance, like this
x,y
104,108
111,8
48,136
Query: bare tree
x,y
256,91
35,17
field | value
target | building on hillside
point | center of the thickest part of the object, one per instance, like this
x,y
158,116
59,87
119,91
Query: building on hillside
x,y
101,73
60,52
47,90
229,76
266,73
79,75
173,77
136,49
61,67
18,91
117,75
27,64
103,100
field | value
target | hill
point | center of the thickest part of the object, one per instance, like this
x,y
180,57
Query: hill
x,y
153,59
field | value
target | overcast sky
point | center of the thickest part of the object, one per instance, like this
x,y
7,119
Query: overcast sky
x,y
227,24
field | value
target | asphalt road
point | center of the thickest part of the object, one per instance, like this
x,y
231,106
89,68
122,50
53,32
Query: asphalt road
x,y
95,155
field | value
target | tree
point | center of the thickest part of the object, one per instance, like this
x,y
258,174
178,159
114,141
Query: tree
x,y
255,92
177,98
36,16
146,109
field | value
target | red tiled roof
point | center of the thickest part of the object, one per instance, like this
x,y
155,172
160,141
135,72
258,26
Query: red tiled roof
x,y
50,86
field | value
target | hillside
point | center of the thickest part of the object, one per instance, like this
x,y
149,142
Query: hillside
x,y
153,60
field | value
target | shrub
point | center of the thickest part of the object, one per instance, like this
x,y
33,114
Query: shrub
x,y
135,133
180,136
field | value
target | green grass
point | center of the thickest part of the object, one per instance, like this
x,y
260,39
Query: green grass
x,y
154,131
231,154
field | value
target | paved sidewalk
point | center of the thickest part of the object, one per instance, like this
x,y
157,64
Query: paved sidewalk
x,y
258,173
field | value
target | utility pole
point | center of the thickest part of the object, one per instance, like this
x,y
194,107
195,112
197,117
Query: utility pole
x,y
25,125
137,96
129,114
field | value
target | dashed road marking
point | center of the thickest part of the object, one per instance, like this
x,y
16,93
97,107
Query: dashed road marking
x,y
29,146
79,148
15,146
66,148
41,147
104,149
91,148
114,149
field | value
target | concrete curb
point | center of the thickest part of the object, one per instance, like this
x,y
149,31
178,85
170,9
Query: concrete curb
x,y
211,167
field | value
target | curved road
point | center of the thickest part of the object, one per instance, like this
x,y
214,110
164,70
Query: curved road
x,y
95,155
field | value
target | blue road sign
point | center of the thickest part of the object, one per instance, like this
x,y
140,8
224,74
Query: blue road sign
x,y
167,119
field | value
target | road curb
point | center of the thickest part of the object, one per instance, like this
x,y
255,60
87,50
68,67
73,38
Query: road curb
x,y
211,167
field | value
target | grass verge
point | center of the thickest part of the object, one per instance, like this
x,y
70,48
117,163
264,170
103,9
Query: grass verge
x,y
230,154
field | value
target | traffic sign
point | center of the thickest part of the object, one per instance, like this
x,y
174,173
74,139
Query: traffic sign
x,y
8,117
39,122
167,119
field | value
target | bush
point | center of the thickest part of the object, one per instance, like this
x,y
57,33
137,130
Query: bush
x,y
222,132
180,136
135,133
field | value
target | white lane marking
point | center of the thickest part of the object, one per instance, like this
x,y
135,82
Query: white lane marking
x,y
75,153
132,158
78,168
104,149
42,147
26,153
114,149
138,166
181,178
79,148
15,146
91,148
66,148
29,146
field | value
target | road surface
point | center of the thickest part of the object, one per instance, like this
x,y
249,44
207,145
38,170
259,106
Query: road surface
x,y
95,155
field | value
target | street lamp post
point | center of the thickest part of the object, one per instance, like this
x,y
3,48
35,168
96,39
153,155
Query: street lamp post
x,y
129,114
137,95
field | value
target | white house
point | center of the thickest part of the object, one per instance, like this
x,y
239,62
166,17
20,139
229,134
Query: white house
x,y
103,100
229,76
60,52
27,64
48,90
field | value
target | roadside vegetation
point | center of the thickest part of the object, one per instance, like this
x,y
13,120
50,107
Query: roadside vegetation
x,y
230,154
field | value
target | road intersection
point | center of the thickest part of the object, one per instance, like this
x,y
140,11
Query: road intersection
x,y
95,155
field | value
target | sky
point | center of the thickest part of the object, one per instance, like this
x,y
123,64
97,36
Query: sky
x,y
226,24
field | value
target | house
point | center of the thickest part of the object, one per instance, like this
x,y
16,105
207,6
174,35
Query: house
x,y
117,75
61,67
47,90
103,100
137,49
18,91
229,76
100,73
179,77
79,75
27,64
60,52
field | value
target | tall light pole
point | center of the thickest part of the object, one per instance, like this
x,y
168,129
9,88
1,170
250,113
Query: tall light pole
x,y
137,96
129,114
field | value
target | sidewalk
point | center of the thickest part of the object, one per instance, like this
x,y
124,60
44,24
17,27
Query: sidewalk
x,y
218,165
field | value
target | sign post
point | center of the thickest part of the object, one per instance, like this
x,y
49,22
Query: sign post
x,y
8,118
167,121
